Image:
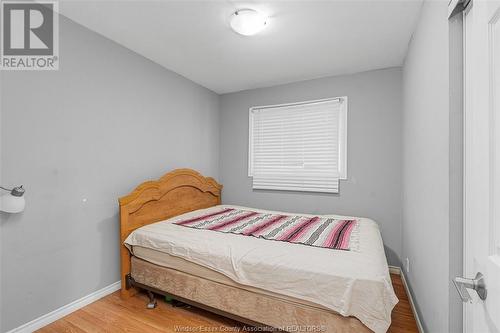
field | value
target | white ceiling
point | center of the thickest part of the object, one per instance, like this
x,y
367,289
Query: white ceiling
x,y
303,40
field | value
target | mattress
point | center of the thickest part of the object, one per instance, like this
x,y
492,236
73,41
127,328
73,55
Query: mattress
x,y
351,283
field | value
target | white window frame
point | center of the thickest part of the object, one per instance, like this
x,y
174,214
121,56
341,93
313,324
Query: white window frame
x,y
342,131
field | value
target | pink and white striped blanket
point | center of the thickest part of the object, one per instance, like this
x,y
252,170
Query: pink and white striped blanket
x,y
314,231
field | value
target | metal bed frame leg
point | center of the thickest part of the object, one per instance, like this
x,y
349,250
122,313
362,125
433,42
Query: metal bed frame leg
x,y
152,300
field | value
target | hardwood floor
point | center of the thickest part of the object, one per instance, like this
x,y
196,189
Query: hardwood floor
x,y
112,314
402,316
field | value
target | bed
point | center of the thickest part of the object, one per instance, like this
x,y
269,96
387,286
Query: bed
x,y
261,282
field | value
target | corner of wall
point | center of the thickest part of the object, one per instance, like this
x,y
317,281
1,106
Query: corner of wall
x,y
426,160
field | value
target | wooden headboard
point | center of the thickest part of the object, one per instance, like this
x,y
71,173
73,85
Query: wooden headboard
x,y
177,192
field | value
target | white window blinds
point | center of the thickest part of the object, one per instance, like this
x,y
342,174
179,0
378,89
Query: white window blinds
x,y
299,147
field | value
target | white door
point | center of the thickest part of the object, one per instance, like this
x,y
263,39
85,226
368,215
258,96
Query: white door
x,y
482,163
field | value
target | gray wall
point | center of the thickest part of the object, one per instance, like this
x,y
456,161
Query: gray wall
x,y
432,167
373,188
106,121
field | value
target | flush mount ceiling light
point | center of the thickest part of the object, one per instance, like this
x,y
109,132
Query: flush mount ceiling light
x,y
248,22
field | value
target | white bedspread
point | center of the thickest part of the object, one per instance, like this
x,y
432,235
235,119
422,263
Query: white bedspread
x,y
352,283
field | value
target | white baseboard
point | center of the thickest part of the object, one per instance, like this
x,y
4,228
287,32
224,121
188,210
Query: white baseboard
x,y
394,270
66,309
398,271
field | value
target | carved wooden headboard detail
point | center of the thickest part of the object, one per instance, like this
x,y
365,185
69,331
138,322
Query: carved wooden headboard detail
x,y
177,192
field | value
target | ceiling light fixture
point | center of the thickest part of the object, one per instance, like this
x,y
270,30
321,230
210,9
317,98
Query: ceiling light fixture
x,y
248,22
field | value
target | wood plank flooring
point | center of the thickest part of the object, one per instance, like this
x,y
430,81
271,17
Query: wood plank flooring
x,y
402,316
112,314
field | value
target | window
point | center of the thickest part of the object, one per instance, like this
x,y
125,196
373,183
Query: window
x,y
300,146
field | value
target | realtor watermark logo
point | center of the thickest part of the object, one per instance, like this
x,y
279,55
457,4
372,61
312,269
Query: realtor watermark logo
x,y
29,35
